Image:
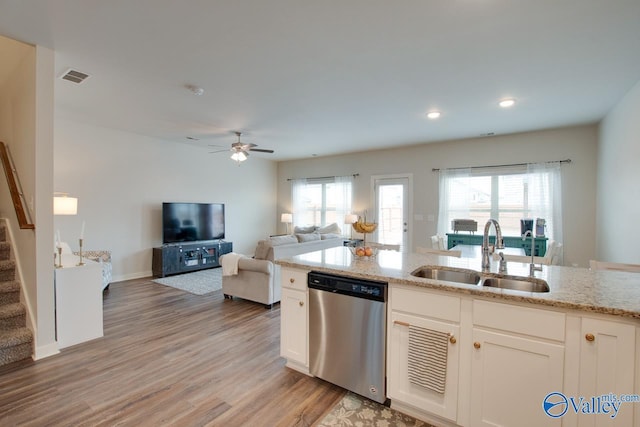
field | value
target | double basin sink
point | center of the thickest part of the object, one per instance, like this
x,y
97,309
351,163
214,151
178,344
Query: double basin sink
x,y
471,277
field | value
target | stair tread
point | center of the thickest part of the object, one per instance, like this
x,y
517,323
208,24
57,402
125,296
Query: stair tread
x,y
7,264
14,337
11,310
9,286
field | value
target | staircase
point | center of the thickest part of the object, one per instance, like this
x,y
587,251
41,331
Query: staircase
x,y
16,341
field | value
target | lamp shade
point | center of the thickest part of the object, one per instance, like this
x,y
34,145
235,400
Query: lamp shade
x,y
64,205
350,218
287,218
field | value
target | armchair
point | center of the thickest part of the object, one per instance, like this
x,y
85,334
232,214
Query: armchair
x,y
256,281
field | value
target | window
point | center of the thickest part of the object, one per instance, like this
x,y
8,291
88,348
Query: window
x,y
321,201
506,194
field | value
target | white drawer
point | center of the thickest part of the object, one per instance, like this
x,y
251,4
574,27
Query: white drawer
x,y
293,278
426,304
519,319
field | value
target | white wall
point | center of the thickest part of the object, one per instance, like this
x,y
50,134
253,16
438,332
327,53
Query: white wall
x,y
579,178
618,228
121,180
26,125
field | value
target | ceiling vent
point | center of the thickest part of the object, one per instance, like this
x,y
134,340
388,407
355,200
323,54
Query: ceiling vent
x,y
74,76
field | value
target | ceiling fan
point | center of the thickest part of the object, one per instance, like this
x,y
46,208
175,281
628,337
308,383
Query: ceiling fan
x,y
240,150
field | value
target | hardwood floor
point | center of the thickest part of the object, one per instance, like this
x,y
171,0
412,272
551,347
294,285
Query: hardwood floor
x,y
168,358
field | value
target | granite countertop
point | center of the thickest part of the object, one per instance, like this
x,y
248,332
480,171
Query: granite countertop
x,y
606,292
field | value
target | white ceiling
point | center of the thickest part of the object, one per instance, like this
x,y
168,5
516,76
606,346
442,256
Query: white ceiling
x,y
334,76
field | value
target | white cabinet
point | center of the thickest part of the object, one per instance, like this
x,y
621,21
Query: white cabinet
x,y
294,315
517,359
78,291
607,365
510,377
419,308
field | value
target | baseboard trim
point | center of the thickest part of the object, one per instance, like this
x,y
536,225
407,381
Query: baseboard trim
x,y
131,276
46,351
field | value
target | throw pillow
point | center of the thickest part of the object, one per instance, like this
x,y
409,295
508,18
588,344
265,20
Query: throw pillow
x,y
282,240
304,230
261,250
331,228
308,237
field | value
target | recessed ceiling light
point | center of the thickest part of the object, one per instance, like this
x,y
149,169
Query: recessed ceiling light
x,y
433,114
506,103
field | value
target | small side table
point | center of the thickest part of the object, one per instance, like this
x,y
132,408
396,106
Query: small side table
x,y
353,242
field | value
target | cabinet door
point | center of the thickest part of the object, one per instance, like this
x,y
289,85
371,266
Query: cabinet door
x,y
399,386
607,355
293,326
511,377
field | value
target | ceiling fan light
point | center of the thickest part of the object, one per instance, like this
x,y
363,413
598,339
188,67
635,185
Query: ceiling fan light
x,y
239,156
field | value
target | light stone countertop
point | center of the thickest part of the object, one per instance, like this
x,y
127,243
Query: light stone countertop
x,y
605,292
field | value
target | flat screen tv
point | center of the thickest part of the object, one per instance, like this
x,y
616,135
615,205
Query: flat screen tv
x,y
188,222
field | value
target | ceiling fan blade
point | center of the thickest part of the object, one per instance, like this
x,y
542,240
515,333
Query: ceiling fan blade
x,y
260,150
226,150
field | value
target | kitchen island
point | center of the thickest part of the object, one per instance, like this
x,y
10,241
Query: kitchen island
x,y
508,349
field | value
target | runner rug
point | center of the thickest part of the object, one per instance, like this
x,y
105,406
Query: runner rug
x,y
354,410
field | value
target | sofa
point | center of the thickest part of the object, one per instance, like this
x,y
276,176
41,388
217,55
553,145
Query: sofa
x,y
278,247
258,278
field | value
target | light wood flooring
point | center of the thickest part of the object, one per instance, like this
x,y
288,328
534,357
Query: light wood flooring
x,y
168,358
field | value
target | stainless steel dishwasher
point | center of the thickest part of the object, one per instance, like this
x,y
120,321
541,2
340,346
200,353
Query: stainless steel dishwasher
x,y
347,333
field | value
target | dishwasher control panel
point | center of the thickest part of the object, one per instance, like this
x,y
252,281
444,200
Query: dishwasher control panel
x,y
361,288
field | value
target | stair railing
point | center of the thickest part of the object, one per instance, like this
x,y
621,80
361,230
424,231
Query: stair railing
x,y
17,196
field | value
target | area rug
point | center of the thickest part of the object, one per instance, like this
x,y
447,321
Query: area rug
x,y
356,411
199,282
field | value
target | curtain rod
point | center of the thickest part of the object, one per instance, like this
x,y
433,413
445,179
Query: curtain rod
x,y
324,177
502,166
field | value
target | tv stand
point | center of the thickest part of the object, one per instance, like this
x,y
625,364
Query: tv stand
x,y
184,257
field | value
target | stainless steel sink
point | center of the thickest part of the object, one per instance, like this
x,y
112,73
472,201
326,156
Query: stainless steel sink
x,y
471,277
526,284
457,275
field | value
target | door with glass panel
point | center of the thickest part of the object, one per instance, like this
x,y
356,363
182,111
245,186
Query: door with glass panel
x,y
392,210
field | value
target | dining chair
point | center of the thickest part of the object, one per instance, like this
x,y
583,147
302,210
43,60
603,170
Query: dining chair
x,y
613,266
437,242
431,251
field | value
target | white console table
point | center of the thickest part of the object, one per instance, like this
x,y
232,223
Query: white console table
x,y
78,291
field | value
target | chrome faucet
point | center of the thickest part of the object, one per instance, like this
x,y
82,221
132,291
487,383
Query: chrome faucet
x,y
486,263
532,267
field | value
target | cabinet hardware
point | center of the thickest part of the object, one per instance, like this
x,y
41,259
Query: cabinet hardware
x,y
476,344
452,339
292,280
590,337
398,322
301,303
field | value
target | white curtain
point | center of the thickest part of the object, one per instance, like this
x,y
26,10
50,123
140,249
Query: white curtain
x,y
545,198
343,197
298,201
455,197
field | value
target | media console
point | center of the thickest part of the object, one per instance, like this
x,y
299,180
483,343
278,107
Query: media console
x,y
175,258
